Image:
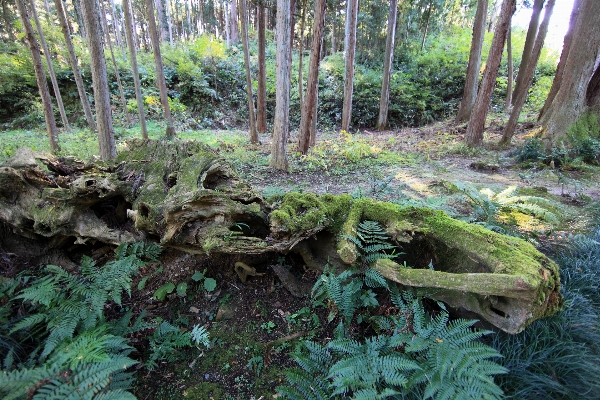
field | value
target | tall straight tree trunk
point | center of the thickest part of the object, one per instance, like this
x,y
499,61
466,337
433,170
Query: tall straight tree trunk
x,y
426,26
570,101
85,103
556,83
472,79
509,60
106,137
57,96
233,22
384,102
40,77
169,25
261,98
349,52
532,33
519,101
117,26
160,72
134,67
301,52
79,17
282,95
162,21
474,135
308,107
227,27
114,62
251,114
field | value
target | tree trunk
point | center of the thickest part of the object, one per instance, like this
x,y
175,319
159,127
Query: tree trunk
x,y
169,25
532,33
114,62
261,96
134,67
472,79
510,75
227,27
7,16
85,103
301,54
521,96
40,77
474,135
426,26
570,101
57,96
162,24
384,101
160,74
503,279
282,95
312,85
349,52
79,17
251,114
106,137
117,26
556,83
593,91
233,22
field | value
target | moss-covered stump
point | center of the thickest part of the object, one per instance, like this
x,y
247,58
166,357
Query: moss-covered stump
x,y
503,279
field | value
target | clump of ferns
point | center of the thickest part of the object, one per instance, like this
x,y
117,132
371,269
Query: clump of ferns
x,y
372,242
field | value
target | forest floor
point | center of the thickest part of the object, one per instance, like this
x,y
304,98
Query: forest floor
x,y
254,325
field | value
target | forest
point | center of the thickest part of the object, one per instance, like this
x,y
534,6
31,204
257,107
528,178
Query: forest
x,y
252,199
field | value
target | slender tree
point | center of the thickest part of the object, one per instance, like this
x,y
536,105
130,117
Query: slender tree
x,y
85,103
57,96
472,79
511,74
8,18
134,67
301,52
519,101
308,107
261,96
251,114
106,137
233,22
384,101
160,72
349,52
282,95
532,33
474,135
40,77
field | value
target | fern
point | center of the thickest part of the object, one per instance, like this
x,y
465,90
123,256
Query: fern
x,y
372,242
168,339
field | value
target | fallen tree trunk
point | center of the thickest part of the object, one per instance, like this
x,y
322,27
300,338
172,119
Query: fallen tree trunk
x,y
183,195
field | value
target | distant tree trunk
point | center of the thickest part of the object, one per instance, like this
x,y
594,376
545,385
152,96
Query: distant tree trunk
x,y
308,107
426,26
472,79
162,25
532,33
233,22
251,114
282,94
114,62
261,98
494,15
169,25
227,27
7,16
291,33
521,96
510,75
593,91
134,67
556,83
40,77
160,74
349,51
570,100
79,17
333,37
474,135
117,26
384,101
59,102
301,52
106,137
85,103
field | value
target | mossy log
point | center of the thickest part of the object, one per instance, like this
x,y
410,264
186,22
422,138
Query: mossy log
x,y
184,196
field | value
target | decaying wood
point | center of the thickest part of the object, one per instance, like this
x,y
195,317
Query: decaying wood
x,y
184,196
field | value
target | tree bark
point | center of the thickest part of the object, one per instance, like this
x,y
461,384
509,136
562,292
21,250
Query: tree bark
x,y
261,96
532,33
474,135
160,74
521,96
162,25
308,107
563,59
593,91
40,77
106,137
472,79
134,67
85,103
233,22
349,53
510,75
301,54
282,95
426,26
570,101
57,96
117,27
251,113
384,101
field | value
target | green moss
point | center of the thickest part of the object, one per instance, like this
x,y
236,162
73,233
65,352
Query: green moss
x,y
203,391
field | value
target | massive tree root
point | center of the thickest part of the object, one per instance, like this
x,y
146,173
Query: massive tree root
x,y
184,196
